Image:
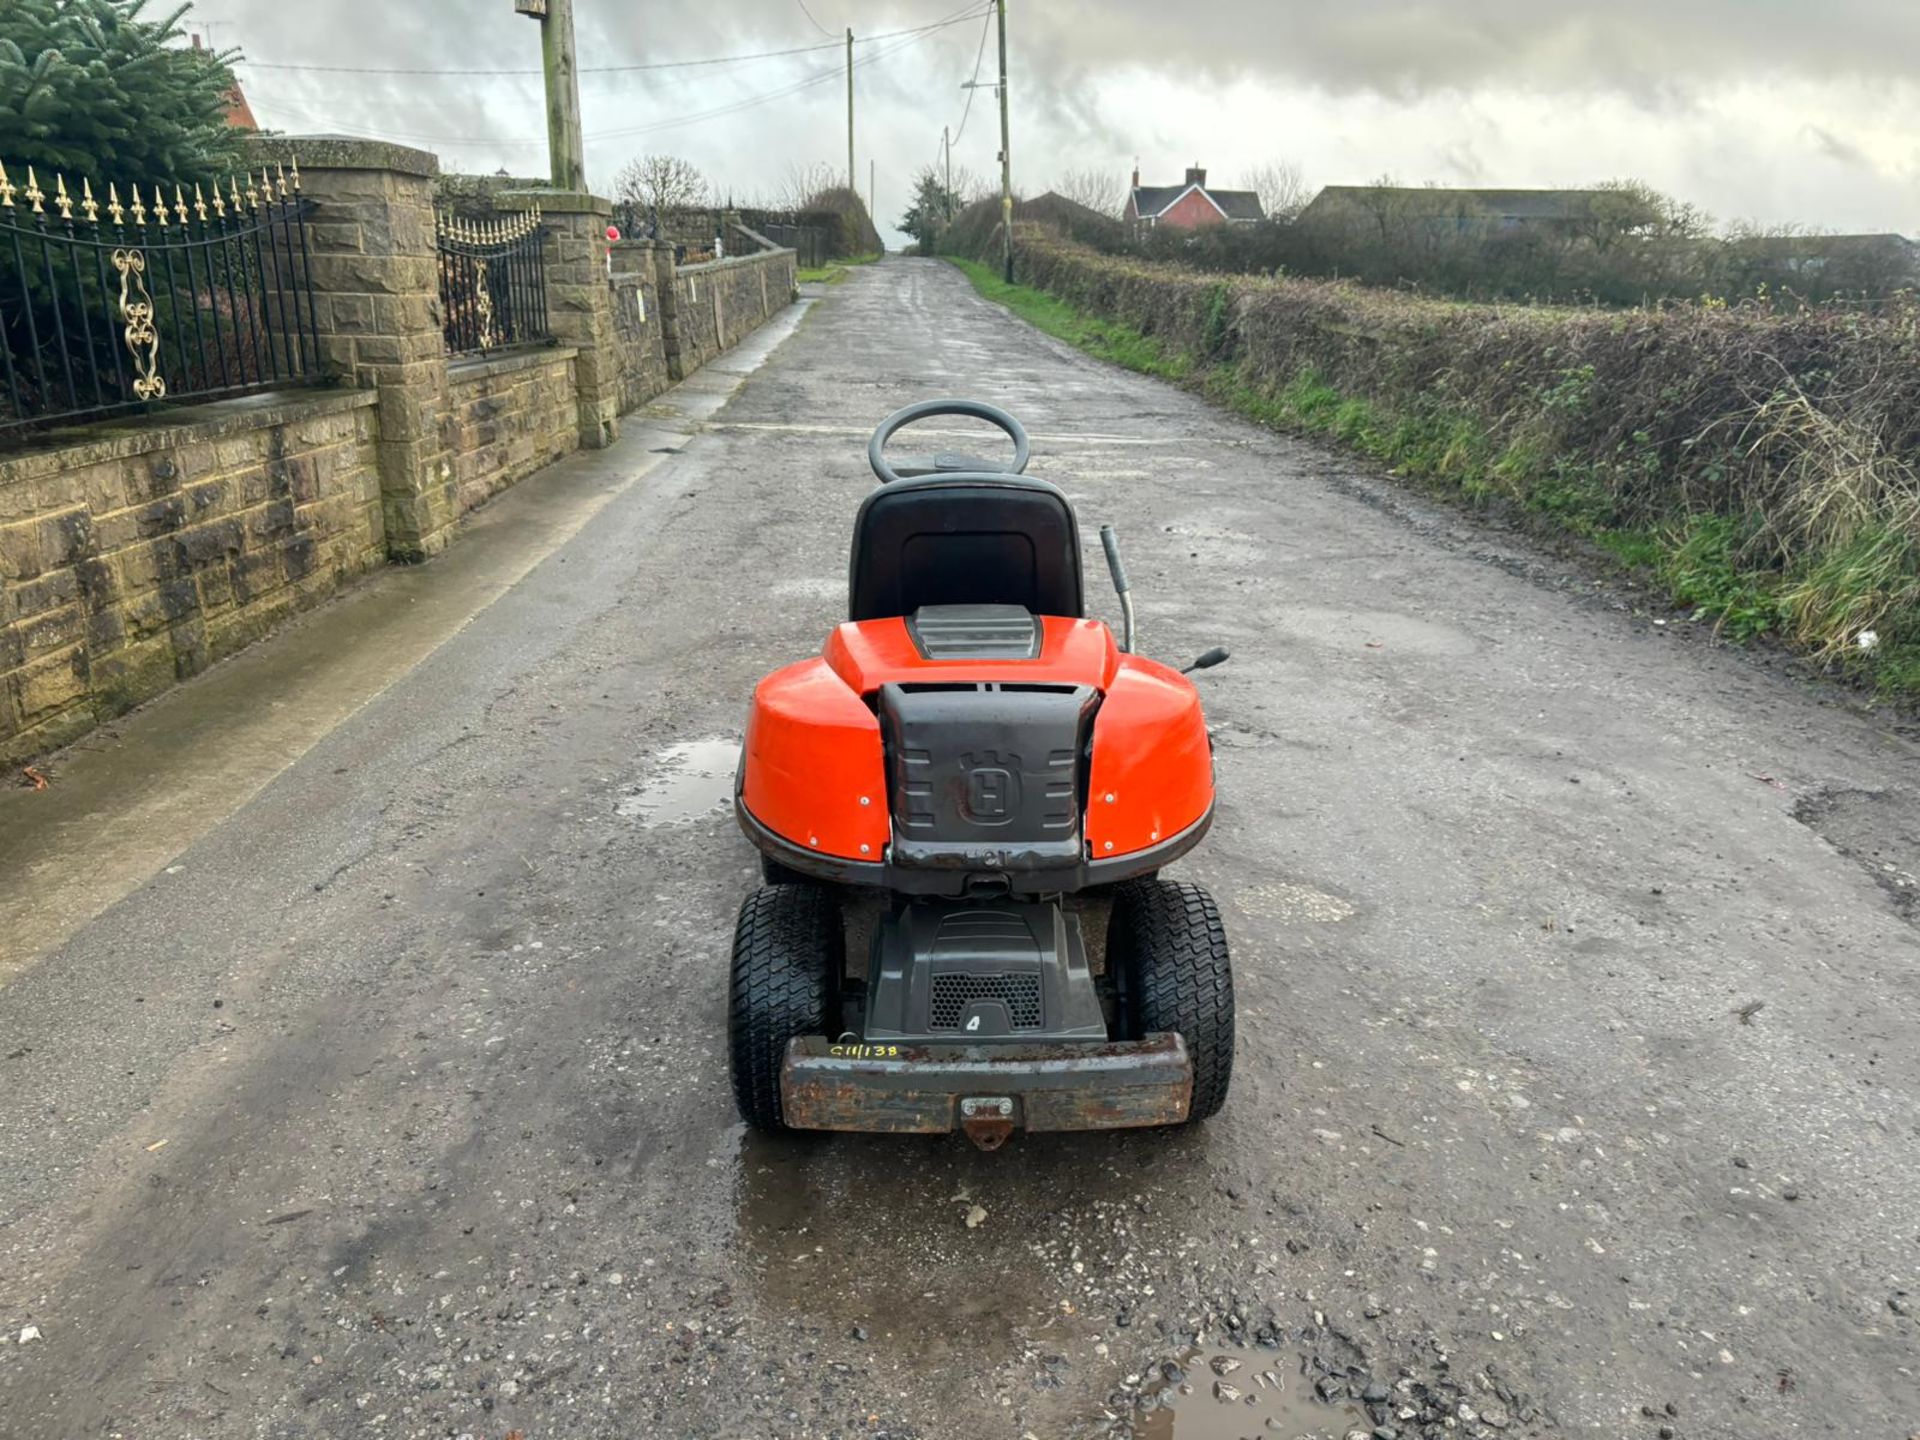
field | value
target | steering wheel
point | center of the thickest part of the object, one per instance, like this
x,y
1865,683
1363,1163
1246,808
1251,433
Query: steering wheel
x,y
946,461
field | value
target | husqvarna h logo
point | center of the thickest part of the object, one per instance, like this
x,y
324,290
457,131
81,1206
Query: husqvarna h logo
x,y
993,790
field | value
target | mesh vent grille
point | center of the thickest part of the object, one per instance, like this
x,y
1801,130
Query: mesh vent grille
x,y
955,991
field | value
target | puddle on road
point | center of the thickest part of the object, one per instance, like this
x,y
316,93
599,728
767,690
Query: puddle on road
x,y
688,781
1224,1393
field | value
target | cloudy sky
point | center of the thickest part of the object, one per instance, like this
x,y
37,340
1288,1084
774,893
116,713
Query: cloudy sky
x,y
1801,111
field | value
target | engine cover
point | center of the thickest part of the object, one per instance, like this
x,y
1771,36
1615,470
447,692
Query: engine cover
x,y
959,973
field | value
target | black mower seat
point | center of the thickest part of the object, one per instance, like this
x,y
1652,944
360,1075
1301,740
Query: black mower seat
x,y
965,539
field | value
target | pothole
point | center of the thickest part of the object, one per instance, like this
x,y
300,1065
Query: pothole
x,y
689,780
1384,630
1879,830
1279,901
1226,1393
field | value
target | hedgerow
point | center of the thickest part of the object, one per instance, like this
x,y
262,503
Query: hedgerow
x,y
1760,458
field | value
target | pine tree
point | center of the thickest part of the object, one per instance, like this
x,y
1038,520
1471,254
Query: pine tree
x,y
89,87
932,206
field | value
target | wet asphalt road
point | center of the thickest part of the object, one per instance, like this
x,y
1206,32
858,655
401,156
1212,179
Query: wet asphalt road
x,y
432,1027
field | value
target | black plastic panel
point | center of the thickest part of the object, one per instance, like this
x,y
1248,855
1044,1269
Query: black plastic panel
x,y
975,632
1006,970
985,778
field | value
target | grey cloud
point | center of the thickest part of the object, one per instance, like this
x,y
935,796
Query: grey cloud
x,y
1400,47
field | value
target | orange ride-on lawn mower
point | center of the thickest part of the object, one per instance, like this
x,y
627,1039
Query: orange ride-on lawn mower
x,y
991,761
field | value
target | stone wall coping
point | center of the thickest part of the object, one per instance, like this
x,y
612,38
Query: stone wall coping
x,y
485,367
708,266
343,152
118,439
556,202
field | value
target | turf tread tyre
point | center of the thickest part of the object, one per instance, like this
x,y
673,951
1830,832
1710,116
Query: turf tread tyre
x,y
788,950
1168,952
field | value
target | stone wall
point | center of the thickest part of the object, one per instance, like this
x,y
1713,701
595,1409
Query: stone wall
x,y
721,301
151,549
640,325
136,553
506,417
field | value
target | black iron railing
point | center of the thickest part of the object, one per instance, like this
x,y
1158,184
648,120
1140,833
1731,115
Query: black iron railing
x,y
493,282
114,307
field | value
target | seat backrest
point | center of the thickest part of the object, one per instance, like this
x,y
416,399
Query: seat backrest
x,y
967,539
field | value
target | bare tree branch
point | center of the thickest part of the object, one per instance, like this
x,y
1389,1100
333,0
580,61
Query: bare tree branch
x,y
1283,193
1095,189
658,183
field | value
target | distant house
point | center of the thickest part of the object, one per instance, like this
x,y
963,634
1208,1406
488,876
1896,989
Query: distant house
x,y
1433,207
1192,205
1875,263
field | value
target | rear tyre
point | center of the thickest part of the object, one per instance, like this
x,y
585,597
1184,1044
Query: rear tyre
x,y
1167,952
788,949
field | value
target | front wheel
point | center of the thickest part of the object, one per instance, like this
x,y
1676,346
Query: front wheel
x,y
1167,952
788,951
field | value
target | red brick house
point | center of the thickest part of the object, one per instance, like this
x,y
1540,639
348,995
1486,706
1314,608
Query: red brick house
x,y
1191,205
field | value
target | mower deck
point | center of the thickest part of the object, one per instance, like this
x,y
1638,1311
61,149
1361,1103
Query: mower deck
x,y
986,1091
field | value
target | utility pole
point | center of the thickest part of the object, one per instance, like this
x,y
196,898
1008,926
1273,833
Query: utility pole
x,y
853,175
946,150
1006,154
566,149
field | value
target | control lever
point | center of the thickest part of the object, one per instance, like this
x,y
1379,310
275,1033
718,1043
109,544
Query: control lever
x,y
1216,656
1111,542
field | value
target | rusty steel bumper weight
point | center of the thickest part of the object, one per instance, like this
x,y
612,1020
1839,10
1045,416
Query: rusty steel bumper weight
x,y
985,1091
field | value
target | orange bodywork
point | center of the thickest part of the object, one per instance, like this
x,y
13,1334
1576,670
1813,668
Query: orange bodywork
x,y
815,769
1152,761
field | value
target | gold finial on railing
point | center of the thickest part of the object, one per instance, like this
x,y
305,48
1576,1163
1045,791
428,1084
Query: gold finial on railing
x,y
200,202
159,207
282,181
138,210
114,208
7,189
34,193
239,205
180,204
253,193
294,173
62,201
219,204
89,206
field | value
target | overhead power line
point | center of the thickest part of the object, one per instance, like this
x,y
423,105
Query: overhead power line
x,y
611,69
906,39
974,83
811,21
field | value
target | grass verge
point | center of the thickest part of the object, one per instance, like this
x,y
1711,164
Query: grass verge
x,y
1826,604
833,272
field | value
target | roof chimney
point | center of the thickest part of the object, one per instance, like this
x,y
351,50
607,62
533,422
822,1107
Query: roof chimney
x,y
1197,176
1136,174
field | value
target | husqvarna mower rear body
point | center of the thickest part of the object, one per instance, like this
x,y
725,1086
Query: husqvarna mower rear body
x,y
998,767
